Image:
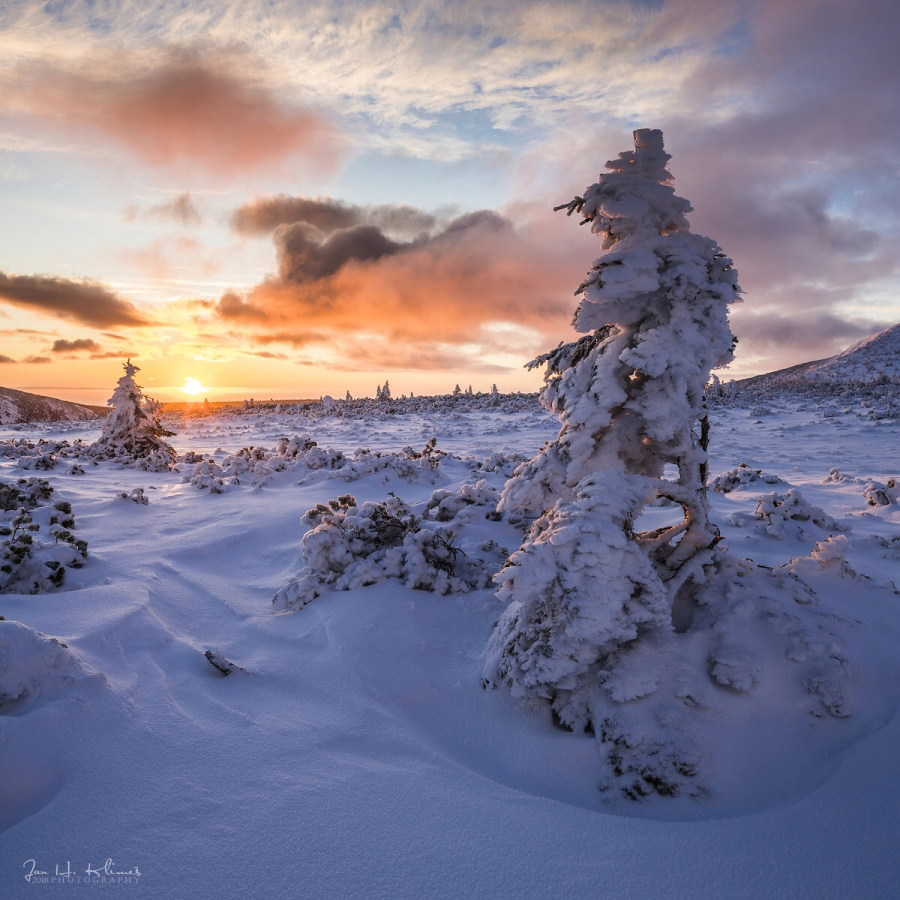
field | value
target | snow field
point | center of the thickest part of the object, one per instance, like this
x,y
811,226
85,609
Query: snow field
x,y
359,755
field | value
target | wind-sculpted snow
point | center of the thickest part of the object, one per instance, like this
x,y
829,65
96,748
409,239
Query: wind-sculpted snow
x,y
767,701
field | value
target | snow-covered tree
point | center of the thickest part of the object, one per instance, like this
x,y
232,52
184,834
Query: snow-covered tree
x,y
386,391
132,430
457,391
630,395
651,639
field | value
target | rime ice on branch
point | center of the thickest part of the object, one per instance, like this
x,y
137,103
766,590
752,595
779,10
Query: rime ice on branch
x,y
132,433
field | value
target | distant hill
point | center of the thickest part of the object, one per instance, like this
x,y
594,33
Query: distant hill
x,y
875,359
19,406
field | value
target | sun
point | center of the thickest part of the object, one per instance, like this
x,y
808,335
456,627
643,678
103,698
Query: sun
x,y
193,387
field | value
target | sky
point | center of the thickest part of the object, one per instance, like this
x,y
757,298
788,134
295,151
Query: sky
x,y
288,199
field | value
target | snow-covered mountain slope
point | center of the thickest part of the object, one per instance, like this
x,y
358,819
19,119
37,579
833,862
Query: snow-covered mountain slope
x,y
19,406
869,360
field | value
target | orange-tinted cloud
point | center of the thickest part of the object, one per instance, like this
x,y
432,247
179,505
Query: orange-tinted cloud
x,y
450,287
188,109
88,302
63,346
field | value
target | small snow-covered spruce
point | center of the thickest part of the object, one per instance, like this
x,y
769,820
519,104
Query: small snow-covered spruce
x,y
132,433
599,614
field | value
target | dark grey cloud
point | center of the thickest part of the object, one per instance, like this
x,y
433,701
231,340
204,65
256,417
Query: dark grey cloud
x,y
265,214
63,346
88,302
6,359
37,359
807,333
304,256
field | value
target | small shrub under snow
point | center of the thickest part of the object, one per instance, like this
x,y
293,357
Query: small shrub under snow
x,y
878,494
786,515
135,496
739,476
36,544
259,465
353,546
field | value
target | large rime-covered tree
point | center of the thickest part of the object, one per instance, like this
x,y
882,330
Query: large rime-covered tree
x,y
646,636
132,431
630,397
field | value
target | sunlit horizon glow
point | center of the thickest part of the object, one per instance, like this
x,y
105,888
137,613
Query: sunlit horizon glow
x,y
196,189
193,387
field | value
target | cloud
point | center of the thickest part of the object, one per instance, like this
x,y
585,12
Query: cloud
x,y
186,109
263,215
115,354
181,209
448,287
63,346
267,354
6,359
37,359
88,302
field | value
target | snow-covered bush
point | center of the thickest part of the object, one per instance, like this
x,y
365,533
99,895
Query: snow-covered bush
x,y
878,494
30,562
827,557
786,515
445,505
504,463
132,433
739,476
354,546
136,495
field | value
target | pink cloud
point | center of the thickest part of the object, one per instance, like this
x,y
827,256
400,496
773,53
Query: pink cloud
x,y
188,110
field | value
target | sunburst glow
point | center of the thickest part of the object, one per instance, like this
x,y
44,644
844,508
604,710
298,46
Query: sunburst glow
x,y
193,387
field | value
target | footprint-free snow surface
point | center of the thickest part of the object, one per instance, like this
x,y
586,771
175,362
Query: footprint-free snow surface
x,y
351,752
